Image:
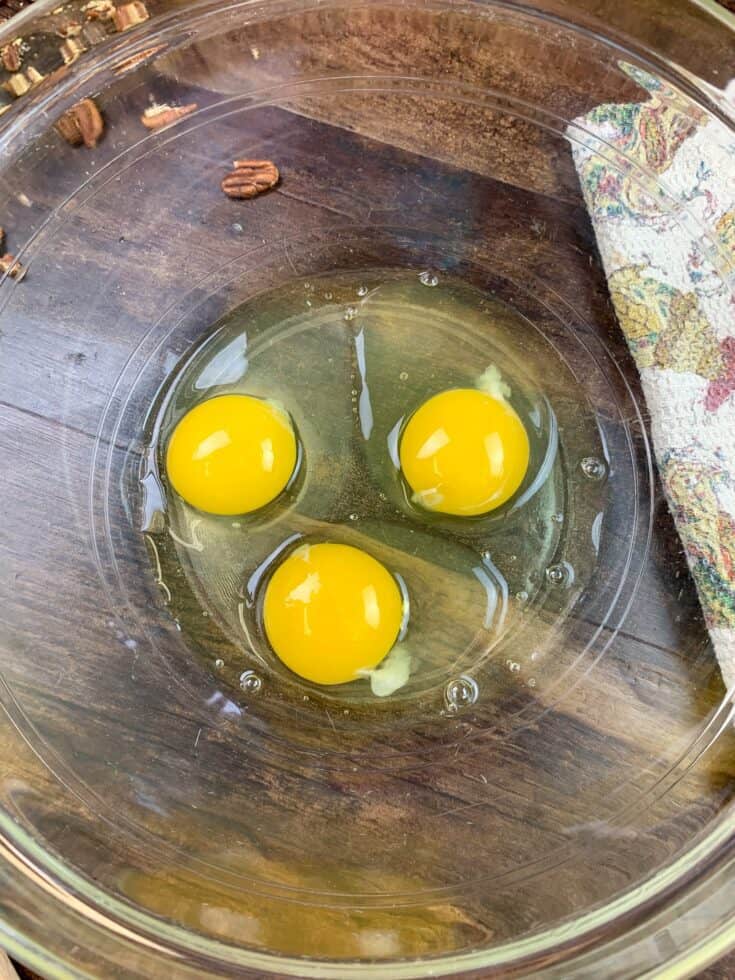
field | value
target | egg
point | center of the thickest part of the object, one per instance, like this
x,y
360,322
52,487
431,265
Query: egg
x,y
464,452
332,612
232,454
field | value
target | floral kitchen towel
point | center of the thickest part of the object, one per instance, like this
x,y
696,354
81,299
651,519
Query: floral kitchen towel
x,y
659,182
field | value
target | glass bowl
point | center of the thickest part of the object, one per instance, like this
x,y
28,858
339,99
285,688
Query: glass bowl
x,y
558,804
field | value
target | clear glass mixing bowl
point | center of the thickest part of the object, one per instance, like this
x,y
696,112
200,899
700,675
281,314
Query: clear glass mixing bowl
x,y
573,820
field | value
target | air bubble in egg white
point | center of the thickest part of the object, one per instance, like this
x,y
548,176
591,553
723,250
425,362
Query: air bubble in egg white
x,y
460,693
560,574
593,468
250,683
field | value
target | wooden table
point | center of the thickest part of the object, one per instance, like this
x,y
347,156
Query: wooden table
x,y
541,222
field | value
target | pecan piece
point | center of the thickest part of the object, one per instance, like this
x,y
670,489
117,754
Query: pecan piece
x,y
83,123
11,57
34,76
250,178
159,116
71,49
17,85
10,266
130,14
93,33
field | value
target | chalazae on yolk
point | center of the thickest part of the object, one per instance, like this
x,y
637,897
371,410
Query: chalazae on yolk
x,y
464,452
231,454
331,611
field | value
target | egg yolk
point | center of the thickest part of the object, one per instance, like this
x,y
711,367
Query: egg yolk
x,y
231,454
331,611
464,452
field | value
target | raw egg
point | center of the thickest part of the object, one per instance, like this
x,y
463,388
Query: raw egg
x,y
332,612
232,454
464,452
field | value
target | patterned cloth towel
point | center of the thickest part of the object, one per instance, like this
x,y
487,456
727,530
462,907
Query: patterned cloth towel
x,y
659,182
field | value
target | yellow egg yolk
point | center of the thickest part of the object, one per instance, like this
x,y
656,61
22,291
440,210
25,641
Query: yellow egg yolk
x,y
331,611
464,452
231,454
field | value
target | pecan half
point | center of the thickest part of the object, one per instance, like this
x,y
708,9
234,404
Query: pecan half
x,y
159,116
250,178
11,57
10,266
130,14
83,123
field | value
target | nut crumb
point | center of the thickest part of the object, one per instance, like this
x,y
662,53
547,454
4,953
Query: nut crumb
x,y
159,116
83,123
130,14
99,10
10,266
250,178
72,29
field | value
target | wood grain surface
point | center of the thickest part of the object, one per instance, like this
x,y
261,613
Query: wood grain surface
x,y
531,232
541,230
